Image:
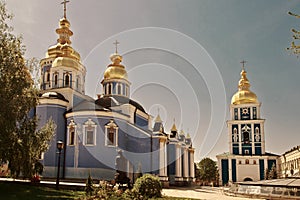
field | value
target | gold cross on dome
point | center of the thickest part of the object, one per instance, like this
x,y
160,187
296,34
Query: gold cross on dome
x,y
116,43
65,7
243,64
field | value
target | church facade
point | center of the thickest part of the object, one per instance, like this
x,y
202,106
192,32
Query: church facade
x,y
247,159
95,130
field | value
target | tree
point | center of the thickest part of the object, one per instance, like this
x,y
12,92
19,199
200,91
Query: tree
x,y
267,174
20,143
294,47
273,172
208,170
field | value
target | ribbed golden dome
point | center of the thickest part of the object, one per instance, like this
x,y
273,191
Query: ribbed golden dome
x,y
65,61
115,70
244,95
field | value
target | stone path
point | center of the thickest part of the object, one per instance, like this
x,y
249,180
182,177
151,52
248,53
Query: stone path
x,y
202,193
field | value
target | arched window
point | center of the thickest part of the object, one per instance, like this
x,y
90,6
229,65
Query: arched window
x,y
247,161
246,137
257,130
89,133
71,133
77,82
55,80
111,134
67,80
109,88
254,162
48,77
119,89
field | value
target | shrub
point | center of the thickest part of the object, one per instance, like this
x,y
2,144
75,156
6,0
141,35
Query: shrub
x,y
89,188
148,186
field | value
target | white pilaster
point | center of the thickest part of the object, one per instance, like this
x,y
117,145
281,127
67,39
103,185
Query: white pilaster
x,y
240,139
252,139
185,163
230,169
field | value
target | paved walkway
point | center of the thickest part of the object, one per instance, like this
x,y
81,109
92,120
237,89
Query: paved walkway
x,y
207,193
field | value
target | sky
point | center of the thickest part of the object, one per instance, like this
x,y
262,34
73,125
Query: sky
x,y
183,58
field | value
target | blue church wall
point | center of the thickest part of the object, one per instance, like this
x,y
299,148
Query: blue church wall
x,y
171,150
225,172
270,163
261,169
134,143
233,166
44,113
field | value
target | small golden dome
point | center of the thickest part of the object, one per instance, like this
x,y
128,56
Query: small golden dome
x,y
65,61
115,70
244,95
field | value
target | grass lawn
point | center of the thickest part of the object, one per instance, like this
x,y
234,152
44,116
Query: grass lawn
x,y
10,190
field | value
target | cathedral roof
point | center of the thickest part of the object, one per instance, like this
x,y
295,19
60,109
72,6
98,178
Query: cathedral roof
x,y
115,100
87,105
244,95
53,95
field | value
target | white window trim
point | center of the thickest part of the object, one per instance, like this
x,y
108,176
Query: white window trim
x,y
72,124
107,126
87,125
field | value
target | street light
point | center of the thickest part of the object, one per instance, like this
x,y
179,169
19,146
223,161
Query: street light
x,y
60,146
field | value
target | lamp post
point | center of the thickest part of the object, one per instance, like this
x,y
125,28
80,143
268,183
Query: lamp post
x,y
60,146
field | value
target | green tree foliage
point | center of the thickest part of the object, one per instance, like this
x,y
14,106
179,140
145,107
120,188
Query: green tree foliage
x,y
208,170
267,174
89,186
295,47
273,172
20,143
148,186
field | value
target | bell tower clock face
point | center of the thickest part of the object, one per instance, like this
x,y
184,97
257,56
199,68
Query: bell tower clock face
x,y
245,113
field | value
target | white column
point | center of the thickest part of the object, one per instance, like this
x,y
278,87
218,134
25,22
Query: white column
x,y
162,164
240,139
230,138
265,163
230,169
252,138
192,166
178,161
262,130
185,163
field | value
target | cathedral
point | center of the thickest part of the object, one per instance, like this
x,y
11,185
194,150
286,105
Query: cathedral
x,y
247,159
94,131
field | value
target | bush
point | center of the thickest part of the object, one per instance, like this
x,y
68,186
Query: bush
x,y
89,188
148,186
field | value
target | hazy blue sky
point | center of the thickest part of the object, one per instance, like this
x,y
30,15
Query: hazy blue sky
x,y
184,57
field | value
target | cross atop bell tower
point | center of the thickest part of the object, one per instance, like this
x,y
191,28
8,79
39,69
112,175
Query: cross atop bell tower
x,y
65,7
243,62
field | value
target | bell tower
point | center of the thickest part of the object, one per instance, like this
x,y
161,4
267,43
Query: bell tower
x,y
61,68
245,128
115,80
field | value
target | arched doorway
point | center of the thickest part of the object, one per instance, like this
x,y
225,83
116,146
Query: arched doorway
x,y
248,179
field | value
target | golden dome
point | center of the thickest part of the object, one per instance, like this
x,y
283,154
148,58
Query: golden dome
x,y
65,61
115,70
244,95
